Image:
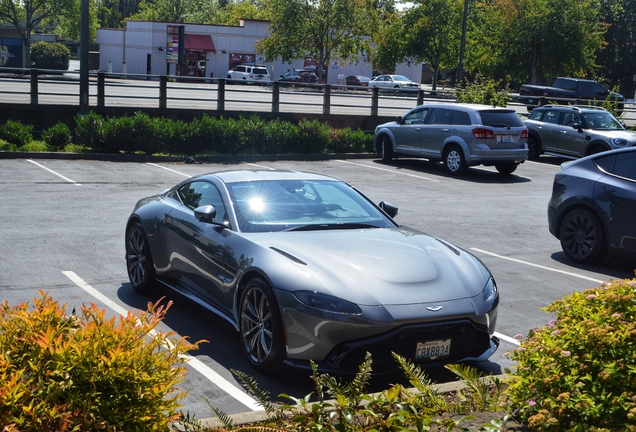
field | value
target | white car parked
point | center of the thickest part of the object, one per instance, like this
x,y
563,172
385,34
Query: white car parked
x,y
394,82
252,74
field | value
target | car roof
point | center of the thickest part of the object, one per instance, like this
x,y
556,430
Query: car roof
x,y
233,176
467,106
586,108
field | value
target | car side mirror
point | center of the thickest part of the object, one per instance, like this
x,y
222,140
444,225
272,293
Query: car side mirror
x,y
399,120
577,126
389,209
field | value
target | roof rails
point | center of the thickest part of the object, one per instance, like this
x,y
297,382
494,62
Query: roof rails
x,y
575,107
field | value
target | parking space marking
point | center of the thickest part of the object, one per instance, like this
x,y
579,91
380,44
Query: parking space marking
x,y
507,339
53,172
168,169
538,266
387,170
198,365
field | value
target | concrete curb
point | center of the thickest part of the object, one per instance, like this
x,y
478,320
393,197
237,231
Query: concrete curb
x,y
260,416
185,159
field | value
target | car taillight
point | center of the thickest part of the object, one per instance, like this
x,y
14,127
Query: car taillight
x,y
482,133
524,134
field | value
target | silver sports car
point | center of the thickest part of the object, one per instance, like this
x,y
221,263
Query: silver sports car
x,y
306,267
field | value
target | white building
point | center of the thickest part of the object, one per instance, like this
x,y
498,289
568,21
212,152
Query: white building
x,y
150,47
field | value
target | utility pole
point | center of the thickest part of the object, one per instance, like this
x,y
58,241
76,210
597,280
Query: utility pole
x,y
462,48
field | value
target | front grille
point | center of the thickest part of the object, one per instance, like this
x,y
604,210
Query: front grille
x,y
467,341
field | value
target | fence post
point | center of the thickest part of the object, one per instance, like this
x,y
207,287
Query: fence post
x,y
101,93
374,102
326,101
275,97
420,97
220,96
163,91
34,86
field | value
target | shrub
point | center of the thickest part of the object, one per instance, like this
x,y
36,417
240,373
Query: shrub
x,y
89,130
348,141
47,55
58,136
34,146
87,372
579,372
483,91
612,104
313,136
16,133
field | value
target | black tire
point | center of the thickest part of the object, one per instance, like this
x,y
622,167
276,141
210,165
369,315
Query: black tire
x,y
261,327
454,160
506,168
139,264
386,148
583,237
534,148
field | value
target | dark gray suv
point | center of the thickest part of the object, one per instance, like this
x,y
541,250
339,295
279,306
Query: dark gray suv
x,y
460,135
573,131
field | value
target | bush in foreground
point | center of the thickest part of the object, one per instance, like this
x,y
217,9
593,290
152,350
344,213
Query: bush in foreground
x,y
86,372
16,133
579,372
47,55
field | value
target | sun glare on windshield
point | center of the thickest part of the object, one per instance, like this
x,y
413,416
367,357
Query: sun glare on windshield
x,y
256,204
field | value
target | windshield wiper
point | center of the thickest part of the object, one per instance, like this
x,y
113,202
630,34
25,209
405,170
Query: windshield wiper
x,y
501,125
331,226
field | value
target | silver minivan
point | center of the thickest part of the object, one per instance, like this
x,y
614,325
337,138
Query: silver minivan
x,y
460,135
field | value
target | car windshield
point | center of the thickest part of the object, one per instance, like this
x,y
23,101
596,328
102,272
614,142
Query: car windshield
x,y
602,120
500,118
265,206
400,78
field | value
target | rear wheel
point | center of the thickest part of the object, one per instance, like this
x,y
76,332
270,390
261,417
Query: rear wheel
x,y
454,160
387,149
534,148
506,168
141,271
583,237
261,327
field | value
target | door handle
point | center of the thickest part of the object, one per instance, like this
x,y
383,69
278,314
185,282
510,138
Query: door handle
x,y
418,129
444,130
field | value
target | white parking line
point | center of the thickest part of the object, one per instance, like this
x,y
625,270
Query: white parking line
x,y
53,172
507,338
199,366
387,170
168,169
538,266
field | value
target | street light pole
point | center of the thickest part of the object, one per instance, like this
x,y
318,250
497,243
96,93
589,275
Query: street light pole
x,y
462,48
84,43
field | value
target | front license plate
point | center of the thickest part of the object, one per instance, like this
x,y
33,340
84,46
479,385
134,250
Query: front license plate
x,y
432,350
505,138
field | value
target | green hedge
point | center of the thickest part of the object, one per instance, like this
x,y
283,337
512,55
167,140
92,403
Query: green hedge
x,y
47,55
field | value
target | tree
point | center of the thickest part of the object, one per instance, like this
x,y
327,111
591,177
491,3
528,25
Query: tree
x,y
432,33
327,30
69,22
387,37
26,15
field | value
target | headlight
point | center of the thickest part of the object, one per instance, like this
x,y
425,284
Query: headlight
x,y
619,142
326,302
490,292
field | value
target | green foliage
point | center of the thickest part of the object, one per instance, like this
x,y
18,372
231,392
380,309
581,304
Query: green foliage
x,y
34,146
612,104
483,91
579,372
16,133
89,130
57,136
47,55
313,136
348,141
481,393
86,372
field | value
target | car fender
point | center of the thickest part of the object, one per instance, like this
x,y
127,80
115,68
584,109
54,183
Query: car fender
x,y
378,134
597,142
583,203
456,140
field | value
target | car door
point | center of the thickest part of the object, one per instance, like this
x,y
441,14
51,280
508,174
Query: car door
x,y
616,194
572,141
408,133
435,132
549,129
197,248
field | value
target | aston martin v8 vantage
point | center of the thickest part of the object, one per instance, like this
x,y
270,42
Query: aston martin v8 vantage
x,y
305,267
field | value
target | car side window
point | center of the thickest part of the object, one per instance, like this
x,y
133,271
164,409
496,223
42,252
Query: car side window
x,y
625,165
570,118
440,116
240,69
536,114
416,117
200,193
460,118
551,116
606,163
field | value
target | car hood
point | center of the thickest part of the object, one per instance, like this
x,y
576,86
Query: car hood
x,y
624,134
380,266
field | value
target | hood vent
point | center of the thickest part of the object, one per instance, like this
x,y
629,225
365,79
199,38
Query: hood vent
x,y
286,255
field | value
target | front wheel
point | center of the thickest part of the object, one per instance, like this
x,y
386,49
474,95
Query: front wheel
x,y
261,327
454,160
506,168
387,149
141,271
583,237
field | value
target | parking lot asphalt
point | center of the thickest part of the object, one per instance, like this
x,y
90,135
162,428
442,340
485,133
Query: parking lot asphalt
x,y
64,216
